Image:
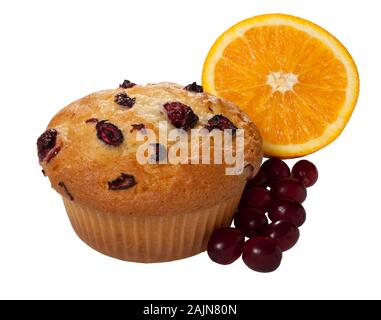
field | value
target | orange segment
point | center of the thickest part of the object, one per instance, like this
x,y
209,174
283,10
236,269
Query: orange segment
x,y
295,80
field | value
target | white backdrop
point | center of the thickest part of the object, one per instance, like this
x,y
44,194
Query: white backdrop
x,y
53,52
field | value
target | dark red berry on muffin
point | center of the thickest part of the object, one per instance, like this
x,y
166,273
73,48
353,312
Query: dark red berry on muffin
x,y
181,115
92,120
63,186
126,84
194,87
220,122
43,172
46,142
159,152
52,153
123,182
137,127
124,100
109,133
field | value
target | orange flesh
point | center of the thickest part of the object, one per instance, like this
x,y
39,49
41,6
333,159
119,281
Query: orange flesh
x,y
299,114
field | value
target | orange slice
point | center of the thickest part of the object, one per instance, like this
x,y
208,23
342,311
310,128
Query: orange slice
x,y
295,80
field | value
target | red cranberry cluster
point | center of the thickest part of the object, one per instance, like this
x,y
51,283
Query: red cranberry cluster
x,y
277,192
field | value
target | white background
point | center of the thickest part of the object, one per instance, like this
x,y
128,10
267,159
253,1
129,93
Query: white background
x,y
52,52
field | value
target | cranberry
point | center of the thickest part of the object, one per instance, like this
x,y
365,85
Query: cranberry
x,y
123,182
250,221
289,188
258,181
46,142
43,172
52,153
306,172
261,254
285,209
275,169
180,115
258,198
194,87
63,186
137,127
109,133
283,233
126,84
220,122
91,120
124,100
225,245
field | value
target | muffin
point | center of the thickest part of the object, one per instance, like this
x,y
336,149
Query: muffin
x,y
151,211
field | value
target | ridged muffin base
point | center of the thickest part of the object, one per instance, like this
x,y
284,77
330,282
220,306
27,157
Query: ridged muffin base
x,y
154,238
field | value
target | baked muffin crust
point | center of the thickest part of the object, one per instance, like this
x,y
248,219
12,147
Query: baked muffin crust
x,y
85,165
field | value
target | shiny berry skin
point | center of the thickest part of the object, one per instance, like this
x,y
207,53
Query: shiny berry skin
x,y
52,153
180,115
126,84
109,133
122,182
220,122
258,198
46,143
289,188
306,172
250,221
137,127
283,233
274,169
261,254
285,209
124,100
258,181
194,87
92,120
225,245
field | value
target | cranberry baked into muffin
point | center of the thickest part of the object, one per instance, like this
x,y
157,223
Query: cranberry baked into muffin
x,y
148,212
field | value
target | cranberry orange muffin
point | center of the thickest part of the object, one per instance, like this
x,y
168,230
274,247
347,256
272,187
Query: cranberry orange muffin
x,y
155,211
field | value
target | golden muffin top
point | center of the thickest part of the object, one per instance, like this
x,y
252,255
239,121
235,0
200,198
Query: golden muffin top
x,y
98,151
